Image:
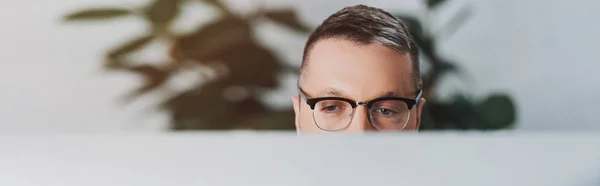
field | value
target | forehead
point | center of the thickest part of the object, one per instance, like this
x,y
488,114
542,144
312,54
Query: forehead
x,y
361,71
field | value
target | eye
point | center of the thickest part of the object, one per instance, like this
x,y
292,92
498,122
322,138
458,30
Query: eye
x,y
385,111
331,108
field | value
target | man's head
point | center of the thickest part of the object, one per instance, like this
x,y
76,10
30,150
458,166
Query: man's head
x,y
359,54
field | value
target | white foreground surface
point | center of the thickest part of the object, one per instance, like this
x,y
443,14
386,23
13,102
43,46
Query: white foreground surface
x,y
215,159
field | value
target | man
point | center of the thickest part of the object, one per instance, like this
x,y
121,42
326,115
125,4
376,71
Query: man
x,y
360,72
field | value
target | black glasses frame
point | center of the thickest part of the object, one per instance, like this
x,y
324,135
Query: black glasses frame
x,y
312,102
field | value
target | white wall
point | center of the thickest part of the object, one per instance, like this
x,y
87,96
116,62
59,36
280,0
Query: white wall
x,y
51,76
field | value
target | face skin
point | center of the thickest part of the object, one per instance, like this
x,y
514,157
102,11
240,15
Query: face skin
x,y
357,72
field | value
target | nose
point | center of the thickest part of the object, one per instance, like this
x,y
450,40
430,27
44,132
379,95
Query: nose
x,y
360,121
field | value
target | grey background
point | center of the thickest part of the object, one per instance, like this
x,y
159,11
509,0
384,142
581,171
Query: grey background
x,y
544,54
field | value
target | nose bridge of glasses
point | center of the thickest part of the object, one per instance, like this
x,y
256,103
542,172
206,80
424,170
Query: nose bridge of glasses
x,y
355,107
361,103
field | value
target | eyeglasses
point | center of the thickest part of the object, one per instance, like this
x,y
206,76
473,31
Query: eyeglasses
x,y
385,113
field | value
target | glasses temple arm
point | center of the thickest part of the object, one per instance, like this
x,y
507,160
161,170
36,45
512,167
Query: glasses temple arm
x,y
418,98
301,93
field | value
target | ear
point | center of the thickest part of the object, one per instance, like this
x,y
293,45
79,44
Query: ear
x,y
419,111
296,104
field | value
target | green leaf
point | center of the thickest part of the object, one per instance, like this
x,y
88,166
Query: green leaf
x,y
412,23
218,4
457,21
230,41
499,110
130,46
277,120
434,3
212,38
98,14
249,64
154,77
287,18
114,64
162,12
201,108
446,66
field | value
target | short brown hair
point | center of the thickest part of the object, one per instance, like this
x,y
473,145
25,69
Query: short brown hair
x,y
365,25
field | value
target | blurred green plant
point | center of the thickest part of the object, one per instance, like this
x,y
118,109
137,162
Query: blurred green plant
x,y
497,111
227,45
246,69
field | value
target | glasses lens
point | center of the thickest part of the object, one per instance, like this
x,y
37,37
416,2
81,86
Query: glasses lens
x,y
332,114
389,115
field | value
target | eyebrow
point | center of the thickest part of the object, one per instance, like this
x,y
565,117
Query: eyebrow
x,y
333,92
389,94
